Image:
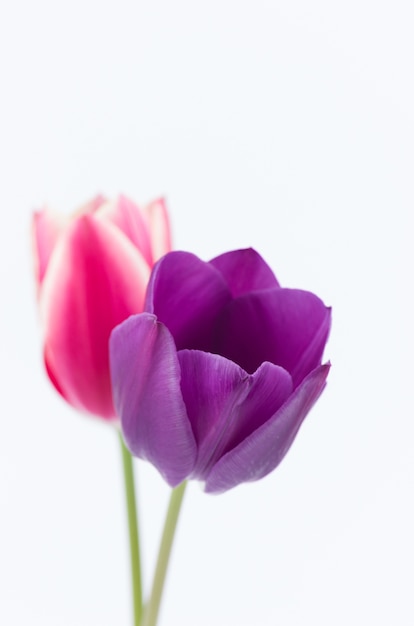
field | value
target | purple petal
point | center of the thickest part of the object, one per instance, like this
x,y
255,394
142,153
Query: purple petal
x,y
287,327
145,376
264,449
187,295
244,271
225,404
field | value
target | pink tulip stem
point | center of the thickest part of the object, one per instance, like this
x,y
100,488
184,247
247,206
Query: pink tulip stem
x,y
133,532
153,606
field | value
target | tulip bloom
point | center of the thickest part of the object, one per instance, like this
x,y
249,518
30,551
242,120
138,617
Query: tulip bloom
x,y
92,270
214,379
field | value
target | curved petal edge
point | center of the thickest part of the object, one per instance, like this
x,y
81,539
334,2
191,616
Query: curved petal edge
x,y
244,271
263,450
146,376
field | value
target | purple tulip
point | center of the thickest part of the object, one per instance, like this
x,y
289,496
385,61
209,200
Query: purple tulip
x,y
214,379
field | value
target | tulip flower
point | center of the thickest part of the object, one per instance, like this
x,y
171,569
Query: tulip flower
x,y
92,271
214,379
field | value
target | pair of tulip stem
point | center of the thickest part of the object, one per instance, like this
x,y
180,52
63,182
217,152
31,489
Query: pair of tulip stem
x,y
147,616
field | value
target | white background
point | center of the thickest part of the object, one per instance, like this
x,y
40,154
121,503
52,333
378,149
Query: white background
x,y
286,125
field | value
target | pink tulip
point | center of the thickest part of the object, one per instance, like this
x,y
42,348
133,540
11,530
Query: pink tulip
x,y
92,271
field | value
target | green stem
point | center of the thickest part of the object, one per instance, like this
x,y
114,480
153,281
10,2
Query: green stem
x,y
153,606
133,532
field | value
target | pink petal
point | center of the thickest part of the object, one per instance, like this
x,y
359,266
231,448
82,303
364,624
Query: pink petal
x,y
46,228
128,218
52,376
95,280
156,215
91,206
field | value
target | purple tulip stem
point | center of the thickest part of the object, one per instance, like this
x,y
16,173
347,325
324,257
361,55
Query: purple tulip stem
x,y
153,606
133,532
